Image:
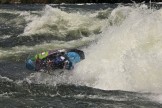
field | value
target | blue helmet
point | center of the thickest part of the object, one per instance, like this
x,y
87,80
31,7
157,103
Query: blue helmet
x,y
30,64
73,57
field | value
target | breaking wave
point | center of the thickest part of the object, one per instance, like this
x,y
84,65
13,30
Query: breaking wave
x,y
128,56
124,51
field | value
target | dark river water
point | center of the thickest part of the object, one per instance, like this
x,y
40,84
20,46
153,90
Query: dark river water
x,y
122,45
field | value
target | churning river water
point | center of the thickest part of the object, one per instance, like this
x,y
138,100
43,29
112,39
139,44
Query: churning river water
x,y
122,45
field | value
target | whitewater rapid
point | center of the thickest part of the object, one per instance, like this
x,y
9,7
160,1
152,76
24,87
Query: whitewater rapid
x,y
122,45
48,29
128,56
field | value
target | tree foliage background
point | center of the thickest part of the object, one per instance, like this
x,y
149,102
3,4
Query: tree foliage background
x,y
75,1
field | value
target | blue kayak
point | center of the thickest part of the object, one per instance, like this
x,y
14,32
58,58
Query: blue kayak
x,y
56,59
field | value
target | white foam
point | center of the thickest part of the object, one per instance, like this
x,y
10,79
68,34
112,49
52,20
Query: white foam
x,y
158,2
6,79
128,56
155,97
59,23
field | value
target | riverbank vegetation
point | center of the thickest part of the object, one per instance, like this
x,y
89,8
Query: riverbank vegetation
x,y
74,1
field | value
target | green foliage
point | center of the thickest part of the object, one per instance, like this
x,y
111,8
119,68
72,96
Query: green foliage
x,y
26,1
4,1
75,1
